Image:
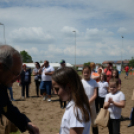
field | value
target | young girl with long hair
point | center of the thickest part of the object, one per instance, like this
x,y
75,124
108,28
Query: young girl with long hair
x,y
115,75
102,89
90,87
76,119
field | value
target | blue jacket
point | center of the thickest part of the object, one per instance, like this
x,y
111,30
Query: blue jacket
x,y
11,112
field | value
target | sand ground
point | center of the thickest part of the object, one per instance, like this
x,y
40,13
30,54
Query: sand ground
x,y
47,115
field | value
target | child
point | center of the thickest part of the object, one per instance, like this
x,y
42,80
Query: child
x,y
76,119
102,89
114,102
90,87
115,75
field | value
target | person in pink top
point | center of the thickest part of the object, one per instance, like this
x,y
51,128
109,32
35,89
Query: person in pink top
x,y
108,71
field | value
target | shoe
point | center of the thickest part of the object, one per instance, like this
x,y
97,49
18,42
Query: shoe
x,y
12,100
49,100
45,98
130,125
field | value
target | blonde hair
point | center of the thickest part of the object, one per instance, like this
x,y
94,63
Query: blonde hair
x,y
92,65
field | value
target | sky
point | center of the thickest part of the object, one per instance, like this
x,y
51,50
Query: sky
x,y
44,28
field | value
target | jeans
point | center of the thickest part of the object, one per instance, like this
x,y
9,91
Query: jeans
x,y
132,115
45,87
11,92
37,84
25,85
114,126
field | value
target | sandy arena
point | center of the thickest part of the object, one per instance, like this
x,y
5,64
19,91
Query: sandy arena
x,y
47,115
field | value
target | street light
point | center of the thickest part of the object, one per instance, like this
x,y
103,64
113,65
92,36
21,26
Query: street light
x,y
121,51
75,47
3,32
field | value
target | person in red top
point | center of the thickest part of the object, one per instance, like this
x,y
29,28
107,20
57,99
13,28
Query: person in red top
x,y
108,71
126,70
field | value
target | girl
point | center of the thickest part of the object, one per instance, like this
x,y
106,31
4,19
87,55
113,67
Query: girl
x,y
90,87
114,102
76,119
103,89
115,75
37,77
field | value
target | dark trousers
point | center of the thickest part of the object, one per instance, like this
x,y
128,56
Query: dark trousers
x,y
96,102
25,85
114,126
37,84
101,101
61,103
132,116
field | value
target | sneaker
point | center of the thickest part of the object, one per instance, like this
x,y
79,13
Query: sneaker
x,y
49,100
45,98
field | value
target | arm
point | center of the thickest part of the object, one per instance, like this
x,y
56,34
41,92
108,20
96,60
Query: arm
x,y
106,105
34,73
120,104
49,73
77,130
94,96
119,87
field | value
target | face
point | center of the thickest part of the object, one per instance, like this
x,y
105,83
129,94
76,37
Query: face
x,y
114,73
102,77
99,70
62,65
45,64
24,67
63,93
113,87
11,74
86,74
36,65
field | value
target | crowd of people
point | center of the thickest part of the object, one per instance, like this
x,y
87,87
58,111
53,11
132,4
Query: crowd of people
x,y
82,97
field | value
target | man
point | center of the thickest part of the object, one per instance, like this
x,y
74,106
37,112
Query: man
x,y
10,68
126,70
46,83
108,71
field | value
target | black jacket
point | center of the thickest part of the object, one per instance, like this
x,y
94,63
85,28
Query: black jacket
x,y
22,76
11,112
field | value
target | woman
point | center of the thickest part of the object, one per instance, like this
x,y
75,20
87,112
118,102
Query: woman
x,y
25,80
37,77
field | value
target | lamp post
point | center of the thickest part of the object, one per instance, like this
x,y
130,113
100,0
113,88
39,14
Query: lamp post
x,y
121,52
75,48
3,32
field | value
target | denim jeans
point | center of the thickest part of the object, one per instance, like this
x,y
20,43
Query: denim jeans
x,y
11,92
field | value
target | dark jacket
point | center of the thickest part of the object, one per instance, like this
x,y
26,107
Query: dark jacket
x,y
11,112
22,76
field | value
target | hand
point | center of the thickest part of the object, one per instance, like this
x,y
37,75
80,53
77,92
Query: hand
x,y
32,128
110,100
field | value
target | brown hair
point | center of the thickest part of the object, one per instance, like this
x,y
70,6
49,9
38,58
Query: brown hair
x,y
114,80
65,76
92,64
86,66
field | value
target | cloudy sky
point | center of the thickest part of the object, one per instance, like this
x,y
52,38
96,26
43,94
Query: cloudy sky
x,y
44,29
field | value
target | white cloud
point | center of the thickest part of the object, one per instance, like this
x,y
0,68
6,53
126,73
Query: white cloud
x,y
122,30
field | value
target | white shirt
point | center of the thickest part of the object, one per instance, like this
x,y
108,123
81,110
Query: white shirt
x,y
36,71
102,88
115,112
44,70
89,87
69,120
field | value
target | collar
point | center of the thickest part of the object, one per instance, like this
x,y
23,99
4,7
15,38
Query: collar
x,y
70,103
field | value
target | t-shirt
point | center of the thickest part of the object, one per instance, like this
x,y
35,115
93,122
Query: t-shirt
x,y
115,112
69,120
26,76
102,88
36,76
89,87
108,74
44,70
126,68
96,74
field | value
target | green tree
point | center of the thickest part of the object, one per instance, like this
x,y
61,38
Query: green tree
x,y
87,64
26,58
131,62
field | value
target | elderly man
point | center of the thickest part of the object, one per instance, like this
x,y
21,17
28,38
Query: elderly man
x,y
10,68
